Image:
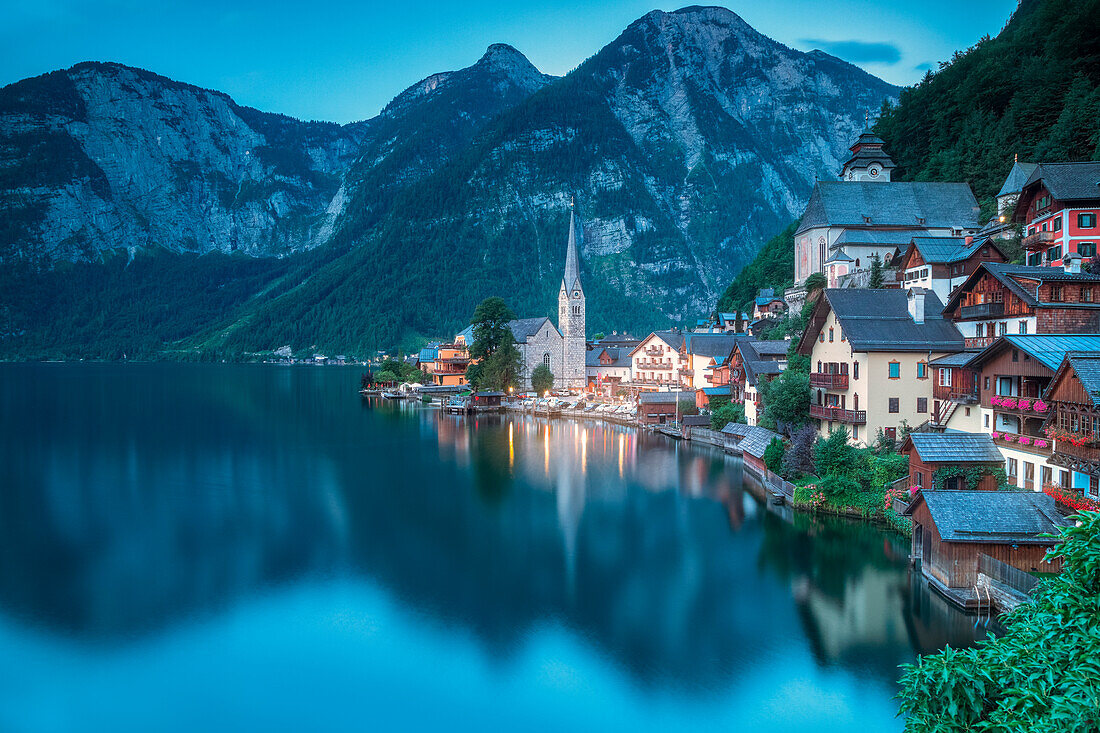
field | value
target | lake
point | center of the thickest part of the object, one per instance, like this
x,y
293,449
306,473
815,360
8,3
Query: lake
x,y
254,547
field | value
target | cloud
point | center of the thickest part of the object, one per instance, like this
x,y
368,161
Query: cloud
x,y
858,51
926,66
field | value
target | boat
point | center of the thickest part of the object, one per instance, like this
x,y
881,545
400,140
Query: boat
x,y
394,395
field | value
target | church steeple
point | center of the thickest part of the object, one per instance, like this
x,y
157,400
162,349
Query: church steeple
x,y
571,315
869,161
572,279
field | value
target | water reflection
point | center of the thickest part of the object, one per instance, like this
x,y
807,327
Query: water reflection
x,y
137,498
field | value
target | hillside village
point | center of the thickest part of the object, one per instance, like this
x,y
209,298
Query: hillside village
x,y
910,333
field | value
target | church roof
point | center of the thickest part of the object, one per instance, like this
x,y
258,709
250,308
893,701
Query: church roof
x,y
890,204
523,328
1017,177
572,278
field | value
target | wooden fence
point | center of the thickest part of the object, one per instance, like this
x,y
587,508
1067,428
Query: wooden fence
x,y
1005,573
773,483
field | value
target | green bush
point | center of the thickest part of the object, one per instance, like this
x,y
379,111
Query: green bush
x,y
773,455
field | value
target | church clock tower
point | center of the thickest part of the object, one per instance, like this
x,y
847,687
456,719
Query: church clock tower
x,y
571,314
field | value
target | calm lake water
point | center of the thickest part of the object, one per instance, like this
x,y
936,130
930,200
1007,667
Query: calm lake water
x,y
212,547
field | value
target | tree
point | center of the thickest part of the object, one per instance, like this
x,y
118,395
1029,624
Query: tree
x,y
1040,675
599,336
799,459
494,347
834,455
542,379
816,281
687,407
723,411
773,455
787,398
875,280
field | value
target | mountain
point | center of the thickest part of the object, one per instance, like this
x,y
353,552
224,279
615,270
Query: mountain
x,y
685,143
1033,91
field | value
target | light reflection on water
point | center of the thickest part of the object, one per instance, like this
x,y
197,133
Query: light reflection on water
x,y
227,547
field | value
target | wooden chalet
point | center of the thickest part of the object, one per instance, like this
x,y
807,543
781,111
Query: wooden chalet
x,y
1058,207
929,452
658,408
1000,299
943,263
952,529
1074,425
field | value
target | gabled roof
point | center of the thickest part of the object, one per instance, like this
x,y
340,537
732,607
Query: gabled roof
x,y
1019,517
662,398
905,204
525,327
466,334
1021,280
879,320
756,441
1068,181
1049,349
838,255
946,250
1086,365
954,447
1017,177
874,237
620,357
674,339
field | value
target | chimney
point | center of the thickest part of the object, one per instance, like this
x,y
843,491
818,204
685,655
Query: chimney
x,y
968,239
1072,263
916,305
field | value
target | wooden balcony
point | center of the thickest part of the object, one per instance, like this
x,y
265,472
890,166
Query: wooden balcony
x,y
825,380
1023,406
1088,453
978,342
1038,240
982,310
837,414
1012,440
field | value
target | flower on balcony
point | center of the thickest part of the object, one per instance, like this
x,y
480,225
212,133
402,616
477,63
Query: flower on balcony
x,y
1040,406
1023,403
1024,440
995,400
995,434
1040,443
1009,437
1009,402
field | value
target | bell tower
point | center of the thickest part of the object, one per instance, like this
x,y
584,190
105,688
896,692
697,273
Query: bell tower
x,y
869,161
571,313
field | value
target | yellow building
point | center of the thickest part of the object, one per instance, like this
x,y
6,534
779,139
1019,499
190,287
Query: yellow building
x,y
869,352
446,364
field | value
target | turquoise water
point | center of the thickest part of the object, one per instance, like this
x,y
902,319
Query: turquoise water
x,y
223,547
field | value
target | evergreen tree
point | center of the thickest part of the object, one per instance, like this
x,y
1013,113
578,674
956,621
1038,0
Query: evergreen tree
x,y
875,281
542,379
494,347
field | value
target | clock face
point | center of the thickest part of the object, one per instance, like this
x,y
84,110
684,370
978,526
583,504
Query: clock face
x,y
874,171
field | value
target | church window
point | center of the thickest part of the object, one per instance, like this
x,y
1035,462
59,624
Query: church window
x,y
546,359
576,293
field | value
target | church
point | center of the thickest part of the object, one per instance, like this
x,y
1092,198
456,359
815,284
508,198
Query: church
x,y
561,347
865,214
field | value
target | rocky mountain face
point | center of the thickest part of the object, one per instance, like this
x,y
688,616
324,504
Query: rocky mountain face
x,y
686,142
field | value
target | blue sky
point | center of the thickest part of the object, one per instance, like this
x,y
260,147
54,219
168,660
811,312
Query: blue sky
x,y
343,61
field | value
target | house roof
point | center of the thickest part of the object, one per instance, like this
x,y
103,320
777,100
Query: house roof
x,y
715,391
526,327
770,347
955,447
961,359
873,237
879,320
675,339
659,398
1068,181
907,204
1050,349
1017,177
467,334
737,429
1019,517
756,441
715,345
1015,278
620,357
946,250
1086,365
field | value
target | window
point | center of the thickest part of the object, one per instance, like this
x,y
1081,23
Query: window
x,y
945,377
1058,224
1056,293
1094,487
855,370
1035,259
891,433
1023,327
830,335
1012,469
894,404
855,432
987,382
987,419
1054,253
895,370
1086,221
843,337
1086,249
1046,475
922,405
821,337
919,478
1002,328
968,412
922,370
546,359
1086,295
1015,355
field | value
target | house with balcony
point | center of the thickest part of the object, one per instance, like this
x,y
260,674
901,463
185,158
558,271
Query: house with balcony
x,y
865,213
1000,299
445,364
1010,378
928,453
869,354
655,362
955,392
752,363
1073,424
768,305
1058,208
607,368
701,354
941,264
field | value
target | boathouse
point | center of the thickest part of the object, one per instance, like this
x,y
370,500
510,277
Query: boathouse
x,y
951,529
952,454
657,408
